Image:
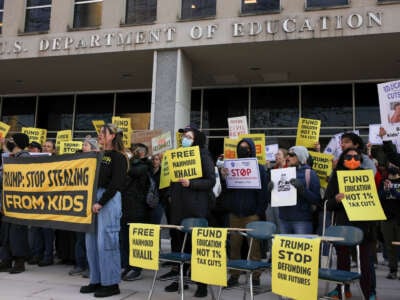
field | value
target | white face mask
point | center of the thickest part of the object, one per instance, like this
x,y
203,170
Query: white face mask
x,y
186,142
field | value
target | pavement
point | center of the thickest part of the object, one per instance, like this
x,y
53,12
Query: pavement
x,y
54,283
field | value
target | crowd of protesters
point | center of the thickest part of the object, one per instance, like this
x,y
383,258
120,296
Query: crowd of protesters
x,y
121,199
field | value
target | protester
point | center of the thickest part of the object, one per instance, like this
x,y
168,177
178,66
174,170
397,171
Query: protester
x,y
351,159
389,149
245,206
102,246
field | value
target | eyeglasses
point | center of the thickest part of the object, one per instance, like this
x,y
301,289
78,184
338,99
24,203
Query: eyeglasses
x,y
291,154
350,156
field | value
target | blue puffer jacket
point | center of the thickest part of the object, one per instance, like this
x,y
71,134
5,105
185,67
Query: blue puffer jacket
x,y
302,211
248,202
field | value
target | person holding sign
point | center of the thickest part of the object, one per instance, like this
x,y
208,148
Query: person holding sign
x,y
390,149
350,159
298,218
190,198
102,246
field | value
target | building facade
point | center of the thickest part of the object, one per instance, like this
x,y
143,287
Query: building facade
x,y
169,63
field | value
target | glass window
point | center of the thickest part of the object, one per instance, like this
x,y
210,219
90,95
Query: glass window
x,y
19,112
367,104
195,108
198,9
87,13
55,112
92,107
140,11
136,106
332,104
1,15
259,6
37,16
221,104
325,3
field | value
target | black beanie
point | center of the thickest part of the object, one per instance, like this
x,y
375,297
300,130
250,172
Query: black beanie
x,y
21,140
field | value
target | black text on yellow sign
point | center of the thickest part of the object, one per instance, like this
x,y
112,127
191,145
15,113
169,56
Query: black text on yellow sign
x,y
144,245
295,267
52,191
185,163
209,255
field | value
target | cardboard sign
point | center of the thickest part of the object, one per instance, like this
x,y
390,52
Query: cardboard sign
x,y
283,193
308,132
361,201
322,165
295,267
63,136
51,191
144,245
97,124
237,126
125,125
70,147
161,143
35,134
242,173
230,148
209,256
389,107
4,128
144,137
165,180
185,163
259,143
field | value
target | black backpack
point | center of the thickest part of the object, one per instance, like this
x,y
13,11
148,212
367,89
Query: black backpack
x,y
152,197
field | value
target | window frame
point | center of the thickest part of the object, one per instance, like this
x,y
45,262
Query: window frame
x,y
150,19
259,11
80,2
191,17
1,19
33,7
321,7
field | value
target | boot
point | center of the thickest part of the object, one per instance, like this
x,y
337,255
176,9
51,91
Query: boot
x,y
107,291
19,266
5,266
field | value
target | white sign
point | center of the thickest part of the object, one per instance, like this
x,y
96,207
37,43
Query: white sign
x,y
161,143
374,137
283,193
271,151
237,126
243,173
389,106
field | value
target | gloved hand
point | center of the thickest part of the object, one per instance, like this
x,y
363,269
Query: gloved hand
x,y
297,184
270,186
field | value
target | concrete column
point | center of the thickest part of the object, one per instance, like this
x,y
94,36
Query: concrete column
x,y
172,84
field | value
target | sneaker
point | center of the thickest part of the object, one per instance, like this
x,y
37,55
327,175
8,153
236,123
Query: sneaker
x,y
335,294
107,291
90,288
170,274
232,281
174,287
392,275
76,271
132,275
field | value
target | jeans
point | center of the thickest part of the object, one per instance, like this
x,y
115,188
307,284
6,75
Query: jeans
x,y
102,246
296,227
42,242
80,250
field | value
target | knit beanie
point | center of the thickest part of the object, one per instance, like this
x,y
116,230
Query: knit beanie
x,y
21,140
301,153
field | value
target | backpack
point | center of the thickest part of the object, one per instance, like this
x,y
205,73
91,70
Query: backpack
x,y
152,197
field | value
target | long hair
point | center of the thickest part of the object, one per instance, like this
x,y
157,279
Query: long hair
x,y
117,142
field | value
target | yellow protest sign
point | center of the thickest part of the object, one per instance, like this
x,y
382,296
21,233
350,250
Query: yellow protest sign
x,y
35,134
259,142
209,255
63,136
308,132
51,191
69,147
185,163
97,124
322,165
144,245
361,200
295,264
230,148
125,125
178,138
165,180
4,128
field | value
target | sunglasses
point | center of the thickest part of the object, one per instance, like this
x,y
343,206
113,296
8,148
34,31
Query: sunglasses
x,y
349,157
292,154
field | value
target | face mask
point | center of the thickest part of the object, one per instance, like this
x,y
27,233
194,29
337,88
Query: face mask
x,y
10,146
352,164
243,152
187,142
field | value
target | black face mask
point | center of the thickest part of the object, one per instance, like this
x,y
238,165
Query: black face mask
x,y
243,152
10,146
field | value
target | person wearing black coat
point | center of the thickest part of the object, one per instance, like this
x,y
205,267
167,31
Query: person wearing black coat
x,y
190,198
